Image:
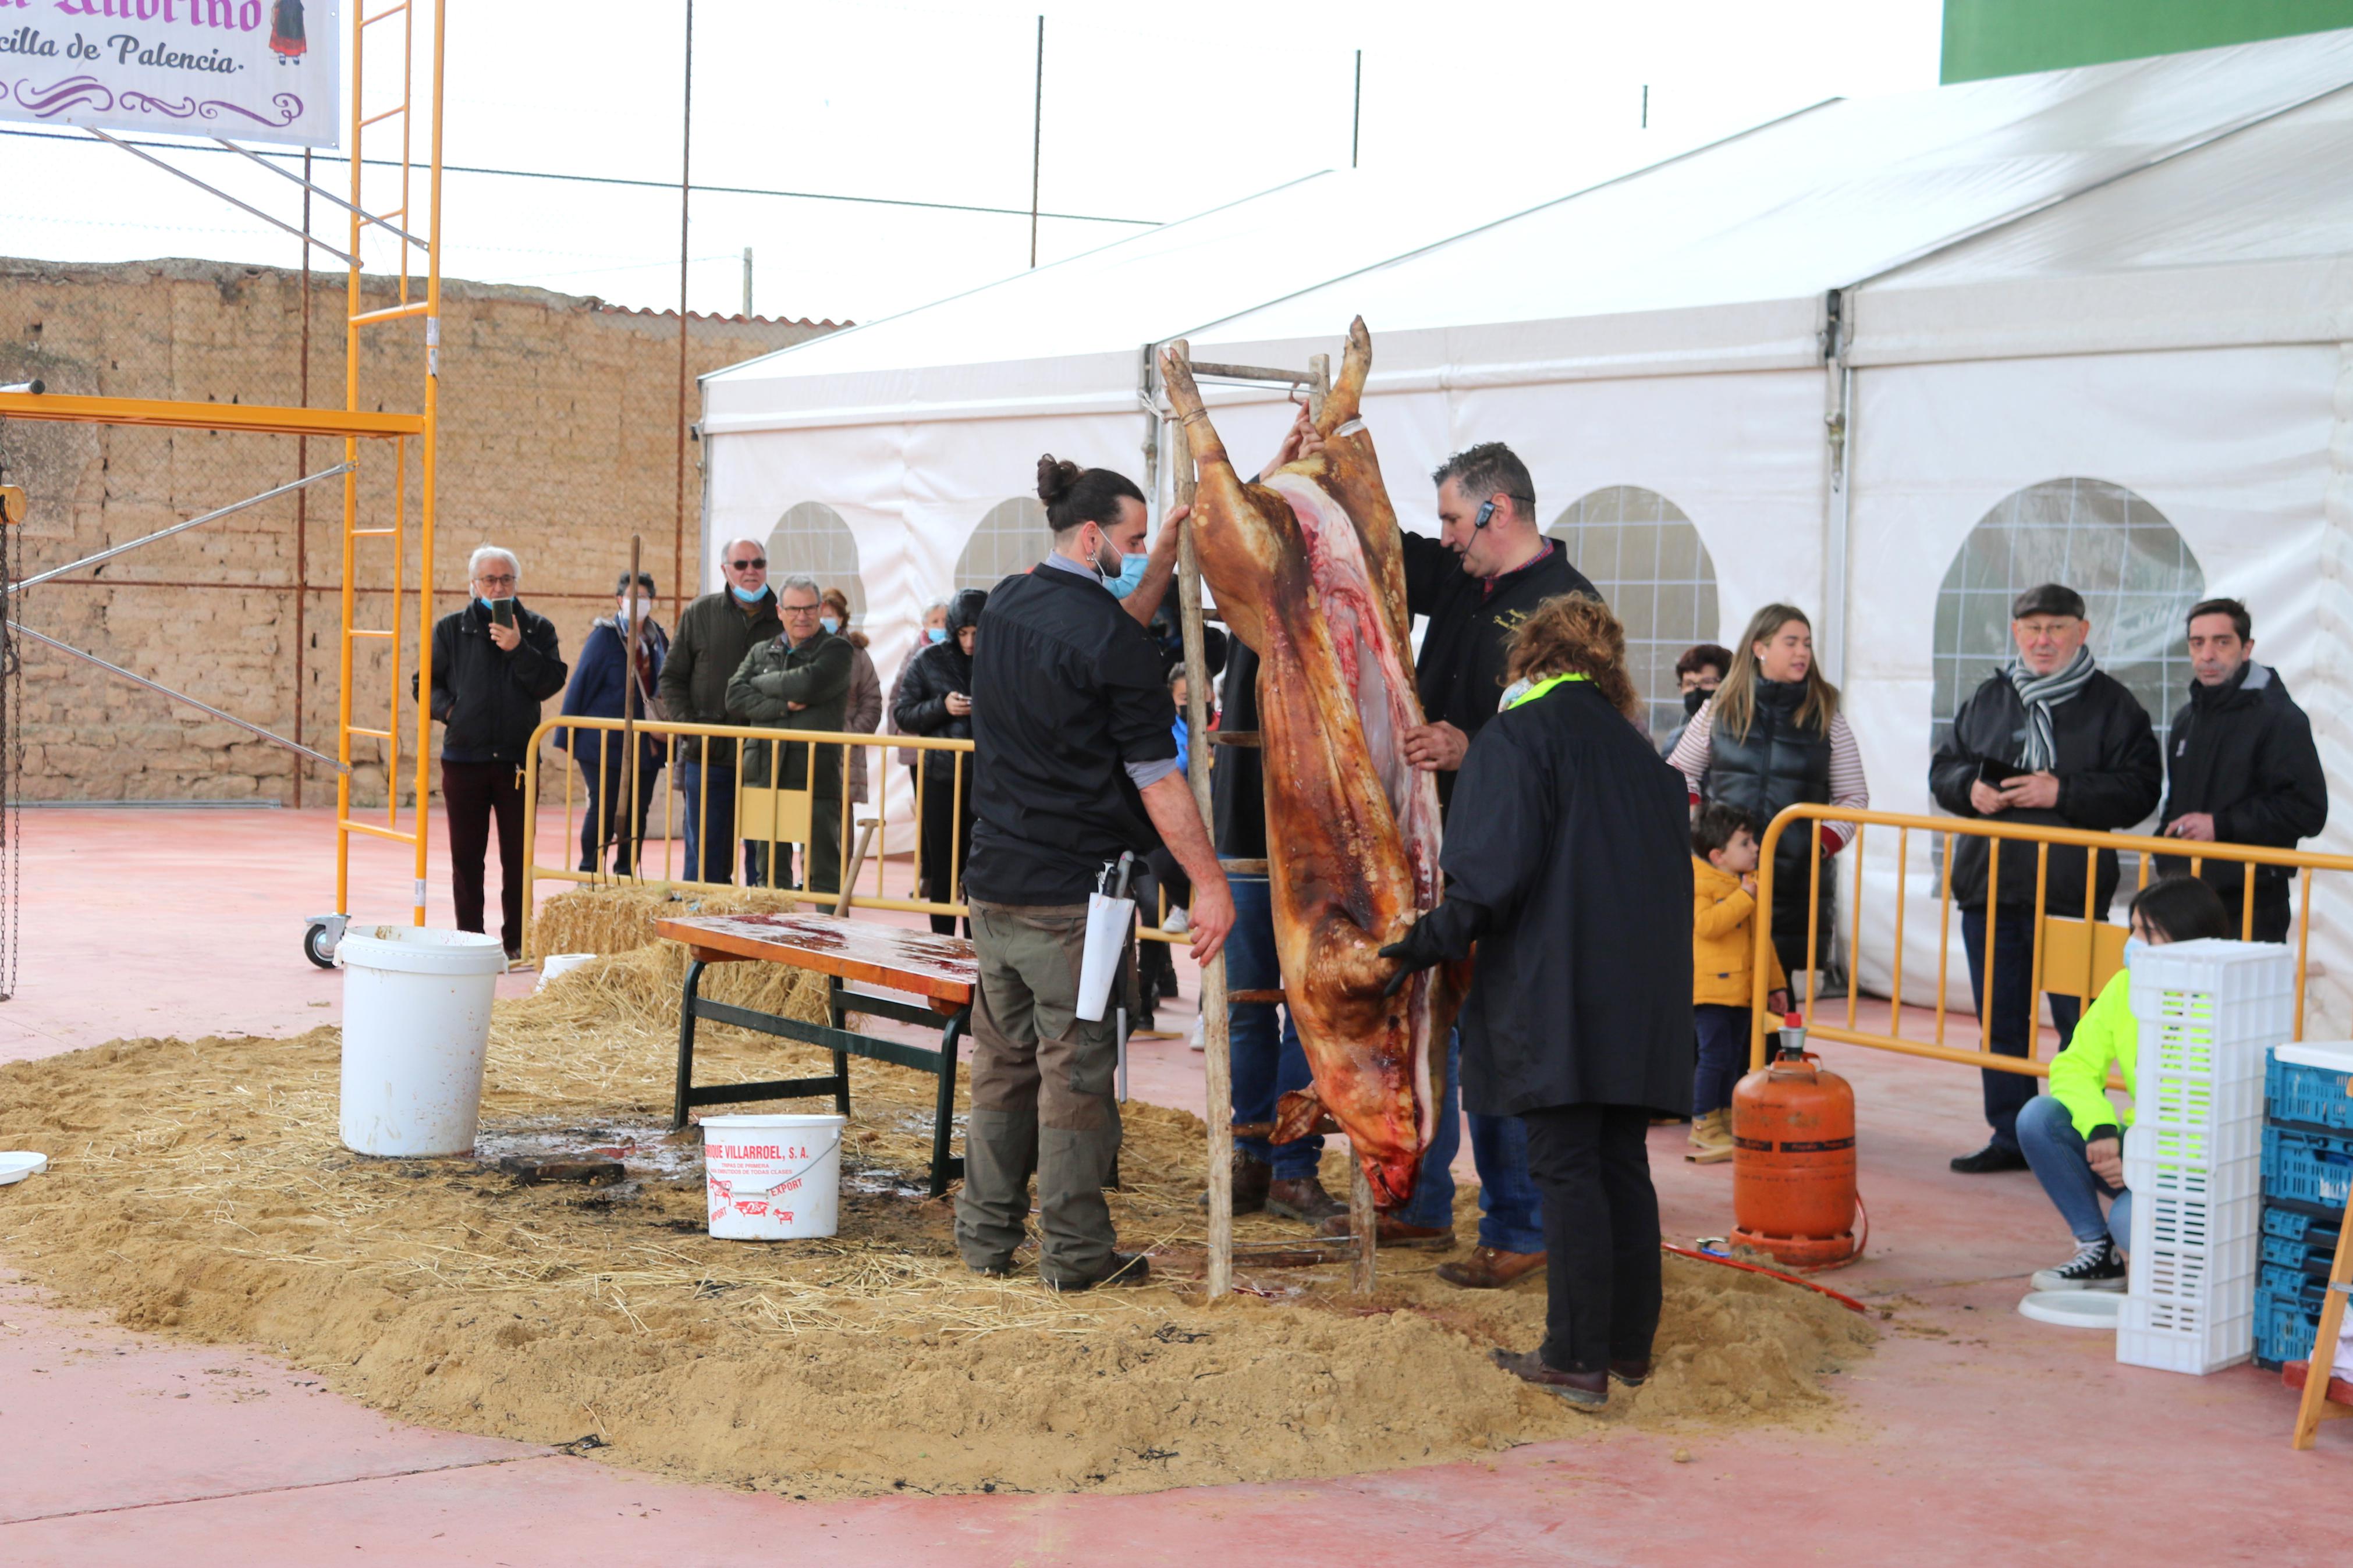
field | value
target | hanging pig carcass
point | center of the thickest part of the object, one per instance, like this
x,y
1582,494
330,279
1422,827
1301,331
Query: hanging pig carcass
x,y
1308,570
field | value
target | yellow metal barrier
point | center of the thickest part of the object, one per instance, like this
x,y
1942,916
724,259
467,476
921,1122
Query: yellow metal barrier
x,y
764,813
2071,957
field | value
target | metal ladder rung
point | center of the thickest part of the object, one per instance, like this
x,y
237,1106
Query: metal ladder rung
x,y
368,632
372,831
391,313
374,533
371,120
371,734
380,15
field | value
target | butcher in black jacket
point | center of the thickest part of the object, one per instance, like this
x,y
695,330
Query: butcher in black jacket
x,y
934,698
2243,768
494,663
1568,861
2053,741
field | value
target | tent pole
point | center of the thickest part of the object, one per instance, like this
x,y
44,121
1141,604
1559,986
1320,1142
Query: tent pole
x,y
1838,451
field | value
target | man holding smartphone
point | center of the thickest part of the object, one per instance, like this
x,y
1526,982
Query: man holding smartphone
x,y
2053,741
494,663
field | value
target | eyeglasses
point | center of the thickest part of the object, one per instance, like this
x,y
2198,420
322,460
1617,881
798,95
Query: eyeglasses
x,y
761,564
798,610
494,579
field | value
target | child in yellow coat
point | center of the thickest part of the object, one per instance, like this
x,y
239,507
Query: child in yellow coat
x,y
1723,947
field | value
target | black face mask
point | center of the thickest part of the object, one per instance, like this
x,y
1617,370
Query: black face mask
x,y
1693,699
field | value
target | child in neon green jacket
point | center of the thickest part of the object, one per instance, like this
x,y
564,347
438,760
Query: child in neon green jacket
x,y
2073,1136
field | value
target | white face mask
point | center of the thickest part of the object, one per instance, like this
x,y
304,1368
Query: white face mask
x,y
2134,948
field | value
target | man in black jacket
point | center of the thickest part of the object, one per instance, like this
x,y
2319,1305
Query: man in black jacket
x,y
2051,741
715,634
1074,761
1488,569
2244,769
495,662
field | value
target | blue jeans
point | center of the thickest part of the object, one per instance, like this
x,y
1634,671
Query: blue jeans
x,y
710,856
1723,1054
2009,1022
2047,1135
1511,1211
1267,1064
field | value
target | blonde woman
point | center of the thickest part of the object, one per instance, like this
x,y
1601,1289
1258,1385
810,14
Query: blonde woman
x,y
1772,737
1568,863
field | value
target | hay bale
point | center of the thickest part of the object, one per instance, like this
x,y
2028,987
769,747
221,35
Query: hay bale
x,y
610,919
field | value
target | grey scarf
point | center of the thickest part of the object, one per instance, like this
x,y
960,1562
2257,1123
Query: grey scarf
x,y
2042,693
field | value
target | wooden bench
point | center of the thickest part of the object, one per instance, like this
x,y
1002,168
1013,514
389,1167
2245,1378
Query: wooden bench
x,y
940,970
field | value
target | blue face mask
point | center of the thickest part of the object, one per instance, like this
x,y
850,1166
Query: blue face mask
x,y
830,624
2134,948
753,597
935,633
1131,575
486,606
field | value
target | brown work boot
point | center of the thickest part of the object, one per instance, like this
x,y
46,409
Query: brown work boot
x,y
1632,1374
1251,1180
1124,1268
1303,1198
1582,1390
1490,1269
1711,1138
1392,1232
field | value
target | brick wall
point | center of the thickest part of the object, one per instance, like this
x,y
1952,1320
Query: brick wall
x,y
558,421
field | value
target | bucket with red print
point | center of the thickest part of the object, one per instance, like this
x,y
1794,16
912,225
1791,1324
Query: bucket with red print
x,y
772,1178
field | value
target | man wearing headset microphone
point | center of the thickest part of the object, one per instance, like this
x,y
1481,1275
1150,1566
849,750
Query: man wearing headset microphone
x,y
1489,567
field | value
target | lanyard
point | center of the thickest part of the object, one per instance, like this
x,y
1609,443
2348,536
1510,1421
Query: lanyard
x,y
1540,688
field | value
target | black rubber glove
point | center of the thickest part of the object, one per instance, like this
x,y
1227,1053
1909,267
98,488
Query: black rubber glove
x,y
1417,950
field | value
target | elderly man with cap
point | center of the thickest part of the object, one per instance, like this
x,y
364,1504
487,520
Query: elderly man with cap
x,y
2052,740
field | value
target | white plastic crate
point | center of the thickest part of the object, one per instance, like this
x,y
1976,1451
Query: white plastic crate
x,y
2214,1181
2194,1223
2190,1275
2230,975
2209,1143
2169,1337
2200,1100
2199,1045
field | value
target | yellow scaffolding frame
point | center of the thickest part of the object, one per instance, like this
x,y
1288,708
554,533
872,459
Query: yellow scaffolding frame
x,y
354,424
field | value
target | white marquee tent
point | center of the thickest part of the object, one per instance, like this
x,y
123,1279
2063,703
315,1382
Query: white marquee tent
x,y
1888,359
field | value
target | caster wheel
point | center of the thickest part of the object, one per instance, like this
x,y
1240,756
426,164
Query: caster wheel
x,y
319,946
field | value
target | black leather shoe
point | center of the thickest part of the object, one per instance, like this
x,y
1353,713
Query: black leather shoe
x,y
1126,1268
1991,1158
1582,1390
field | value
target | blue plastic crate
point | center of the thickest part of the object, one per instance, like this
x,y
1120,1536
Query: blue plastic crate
x,y
2292,1254
2316,1096
2279,1279
2285,1326
2314,1167
2302,1229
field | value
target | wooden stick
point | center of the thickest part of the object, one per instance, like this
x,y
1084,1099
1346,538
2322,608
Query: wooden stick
x,y
857,864
1252,372
1363,1224
1217,1042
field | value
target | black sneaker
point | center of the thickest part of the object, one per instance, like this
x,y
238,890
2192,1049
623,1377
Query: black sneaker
x,y
1991,1158
2096,1266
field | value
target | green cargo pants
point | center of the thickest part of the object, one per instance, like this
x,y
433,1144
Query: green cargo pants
x,y
1041,1098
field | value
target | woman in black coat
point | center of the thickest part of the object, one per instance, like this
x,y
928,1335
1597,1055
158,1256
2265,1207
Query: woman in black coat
x,y
1568,862
935,699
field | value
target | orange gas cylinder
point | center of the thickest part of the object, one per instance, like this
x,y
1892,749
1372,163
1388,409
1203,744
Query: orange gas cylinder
x,y
1793,1158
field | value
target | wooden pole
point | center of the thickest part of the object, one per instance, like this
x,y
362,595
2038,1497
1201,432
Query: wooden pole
x,y
1217,1042
685,189
629,835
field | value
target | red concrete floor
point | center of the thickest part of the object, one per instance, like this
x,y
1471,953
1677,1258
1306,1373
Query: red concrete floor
x,y
1971,1435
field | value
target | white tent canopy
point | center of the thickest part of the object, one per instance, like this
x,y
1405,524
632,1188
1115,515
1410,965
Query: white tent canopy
x,y
2090,311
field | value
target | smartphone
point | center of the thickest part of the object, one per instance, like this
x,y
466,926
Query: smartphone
x,y
1994,774
502,611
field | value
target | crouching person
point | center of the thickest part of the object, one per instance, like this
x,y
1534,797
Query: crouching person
x,y
2073,1136
1567,858
1723,962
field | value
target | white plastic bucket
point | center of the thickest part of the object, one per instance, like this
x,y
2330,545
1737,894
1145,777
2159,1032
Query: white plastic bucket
x,y
416,1017
772,1178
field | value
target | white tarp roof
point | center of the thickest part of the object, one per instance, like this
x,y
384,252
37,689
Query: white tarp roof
x,y
1720,260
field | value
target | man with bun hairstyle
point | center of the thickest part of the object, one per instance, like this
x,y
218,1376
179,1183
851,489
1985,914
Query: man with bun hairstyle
x,y
1074,762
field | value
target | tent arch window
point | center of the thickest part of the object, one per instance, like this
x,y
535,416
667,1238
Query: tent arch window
x,y
2138,576
1647,557
1012,537
811,539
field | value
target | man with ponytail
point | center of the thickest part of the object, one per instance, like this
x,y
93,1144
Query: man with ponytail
x,y
1074,762
2052,740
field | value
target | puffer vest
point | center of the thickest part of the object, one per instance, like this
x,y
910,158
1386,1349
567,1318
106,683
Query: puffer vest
x,y
1778,763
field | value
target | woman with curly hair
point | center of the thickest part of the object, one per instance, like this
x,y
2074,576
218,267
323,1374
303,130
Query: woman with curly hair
x,y
1569,864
